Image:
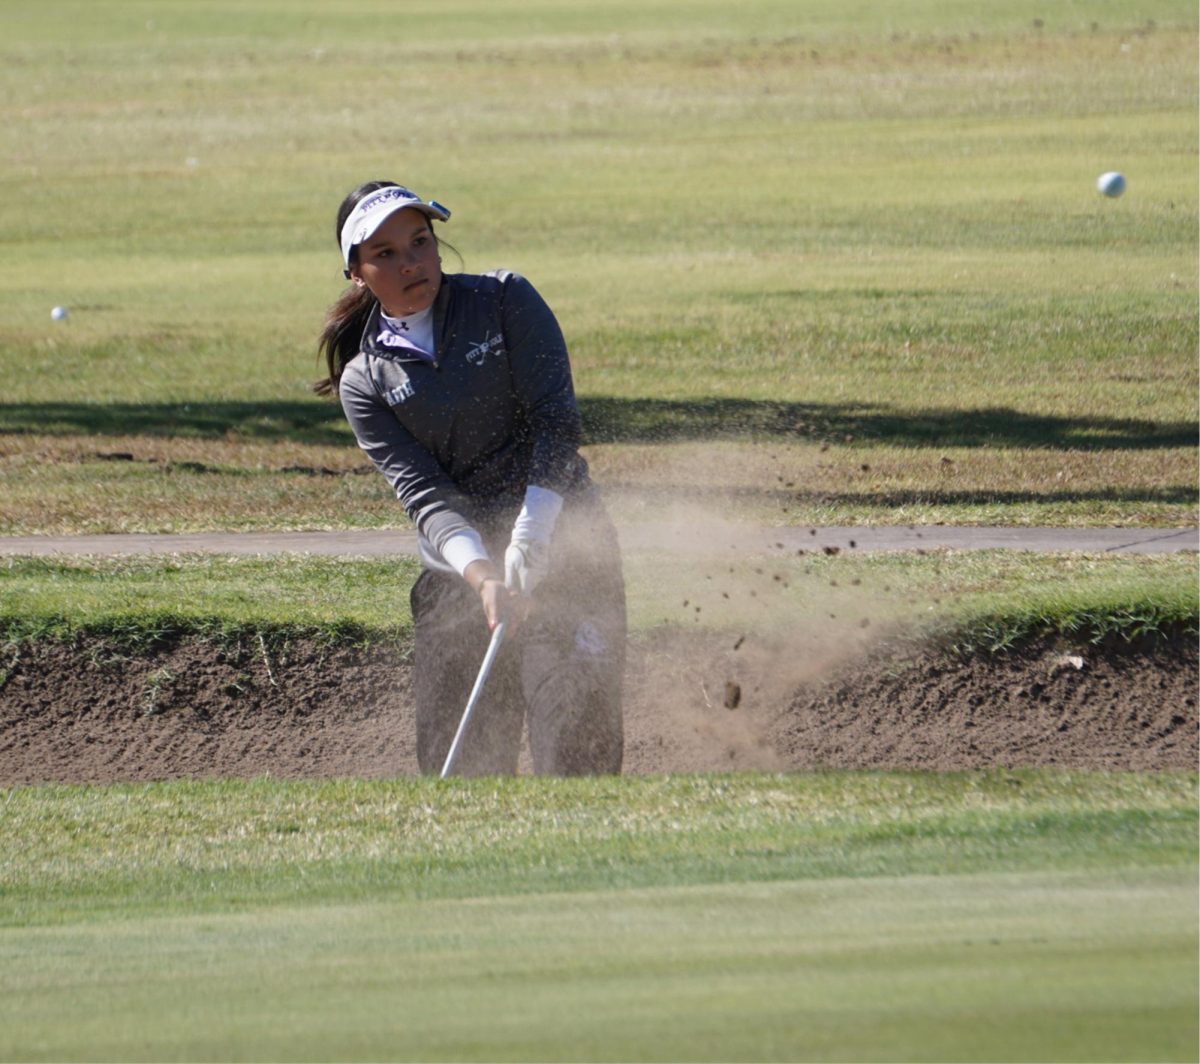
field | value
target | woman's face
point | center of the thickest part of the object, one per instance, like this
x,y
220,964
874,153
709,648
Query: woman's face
x,y
399,263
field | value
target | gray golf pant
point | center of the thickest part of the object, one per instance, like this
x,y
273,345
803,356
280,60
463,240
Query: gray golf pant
x,y
561,670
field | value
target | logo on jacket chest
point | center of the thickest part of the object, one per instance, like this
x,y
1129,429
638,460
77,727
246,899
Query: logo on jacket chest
x,y
404,390
490,345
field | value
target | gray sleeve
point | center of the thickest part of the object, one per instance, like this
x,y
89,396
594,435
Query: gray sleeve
x,y
427,494
542,384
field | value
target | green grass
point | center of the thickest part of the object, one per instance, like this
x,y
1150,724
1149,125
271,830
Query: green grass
x,y
775,972
877,224
837,916
103,853
983,600
52,597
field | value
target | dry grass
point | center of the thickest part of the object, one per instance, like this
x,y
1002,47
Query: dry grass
x,y
91,484
86,484
786,482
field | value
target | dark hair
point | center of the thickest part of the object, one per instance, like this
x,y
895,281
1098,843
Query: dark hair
x,y
346,319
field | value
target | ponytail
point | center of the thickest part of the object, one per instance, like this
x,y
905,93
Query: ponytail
x,y
342,335
346,319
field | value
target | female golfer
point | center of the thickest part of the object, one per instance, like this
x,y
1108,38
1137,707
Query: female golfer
x,y
459,389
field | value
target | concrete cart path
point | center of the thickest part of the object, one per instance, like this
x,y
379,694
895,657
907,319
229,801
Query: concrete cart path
x,y
699,539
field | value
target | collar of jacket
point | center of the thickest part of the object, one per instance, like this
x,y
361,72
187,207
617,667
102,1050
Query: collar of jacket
x,y
370,344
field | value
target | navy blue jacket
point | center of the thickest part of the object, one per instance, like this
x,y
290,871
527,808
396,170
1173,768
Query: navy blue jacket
x,y
459,437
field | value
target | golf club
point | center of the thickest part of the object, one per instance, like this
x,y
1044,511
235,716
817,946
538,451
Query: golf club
x,y
488,658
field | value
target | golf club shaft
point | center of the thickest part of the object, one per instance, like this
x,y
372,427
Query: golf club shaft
x,y
488,658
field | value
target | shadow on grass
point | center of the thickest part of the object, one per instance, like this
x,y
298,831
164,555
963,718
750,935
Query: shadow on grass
x,y
312,421
657,420
1168,494
613,420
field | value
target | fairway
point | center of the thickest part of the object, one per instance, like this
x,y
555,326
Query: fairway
x,y
1013,967
852,916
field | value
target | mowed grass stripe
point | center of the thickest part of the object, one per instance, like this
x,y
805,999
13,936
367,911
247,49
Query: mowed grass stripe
x,y
79,853
1036,965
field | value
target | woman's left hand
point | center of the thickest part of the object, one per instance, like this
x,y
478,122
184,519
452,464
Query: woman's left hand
x,y
497,602
500,603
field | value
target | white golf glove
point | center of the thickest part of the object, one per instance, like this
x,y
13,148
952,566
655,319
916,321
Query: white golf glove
x,y
527,560
526,563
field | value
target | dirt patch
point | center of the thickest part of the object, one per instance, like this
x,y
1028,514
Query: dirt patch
x,y
87,713
1124,708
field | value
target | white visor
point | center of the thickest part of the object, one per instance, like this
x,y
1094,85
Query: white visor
x,y
376,207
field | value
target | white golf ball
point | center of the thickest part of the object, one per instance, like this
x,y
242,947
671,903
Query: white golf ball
x,y
1111,184
59,314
